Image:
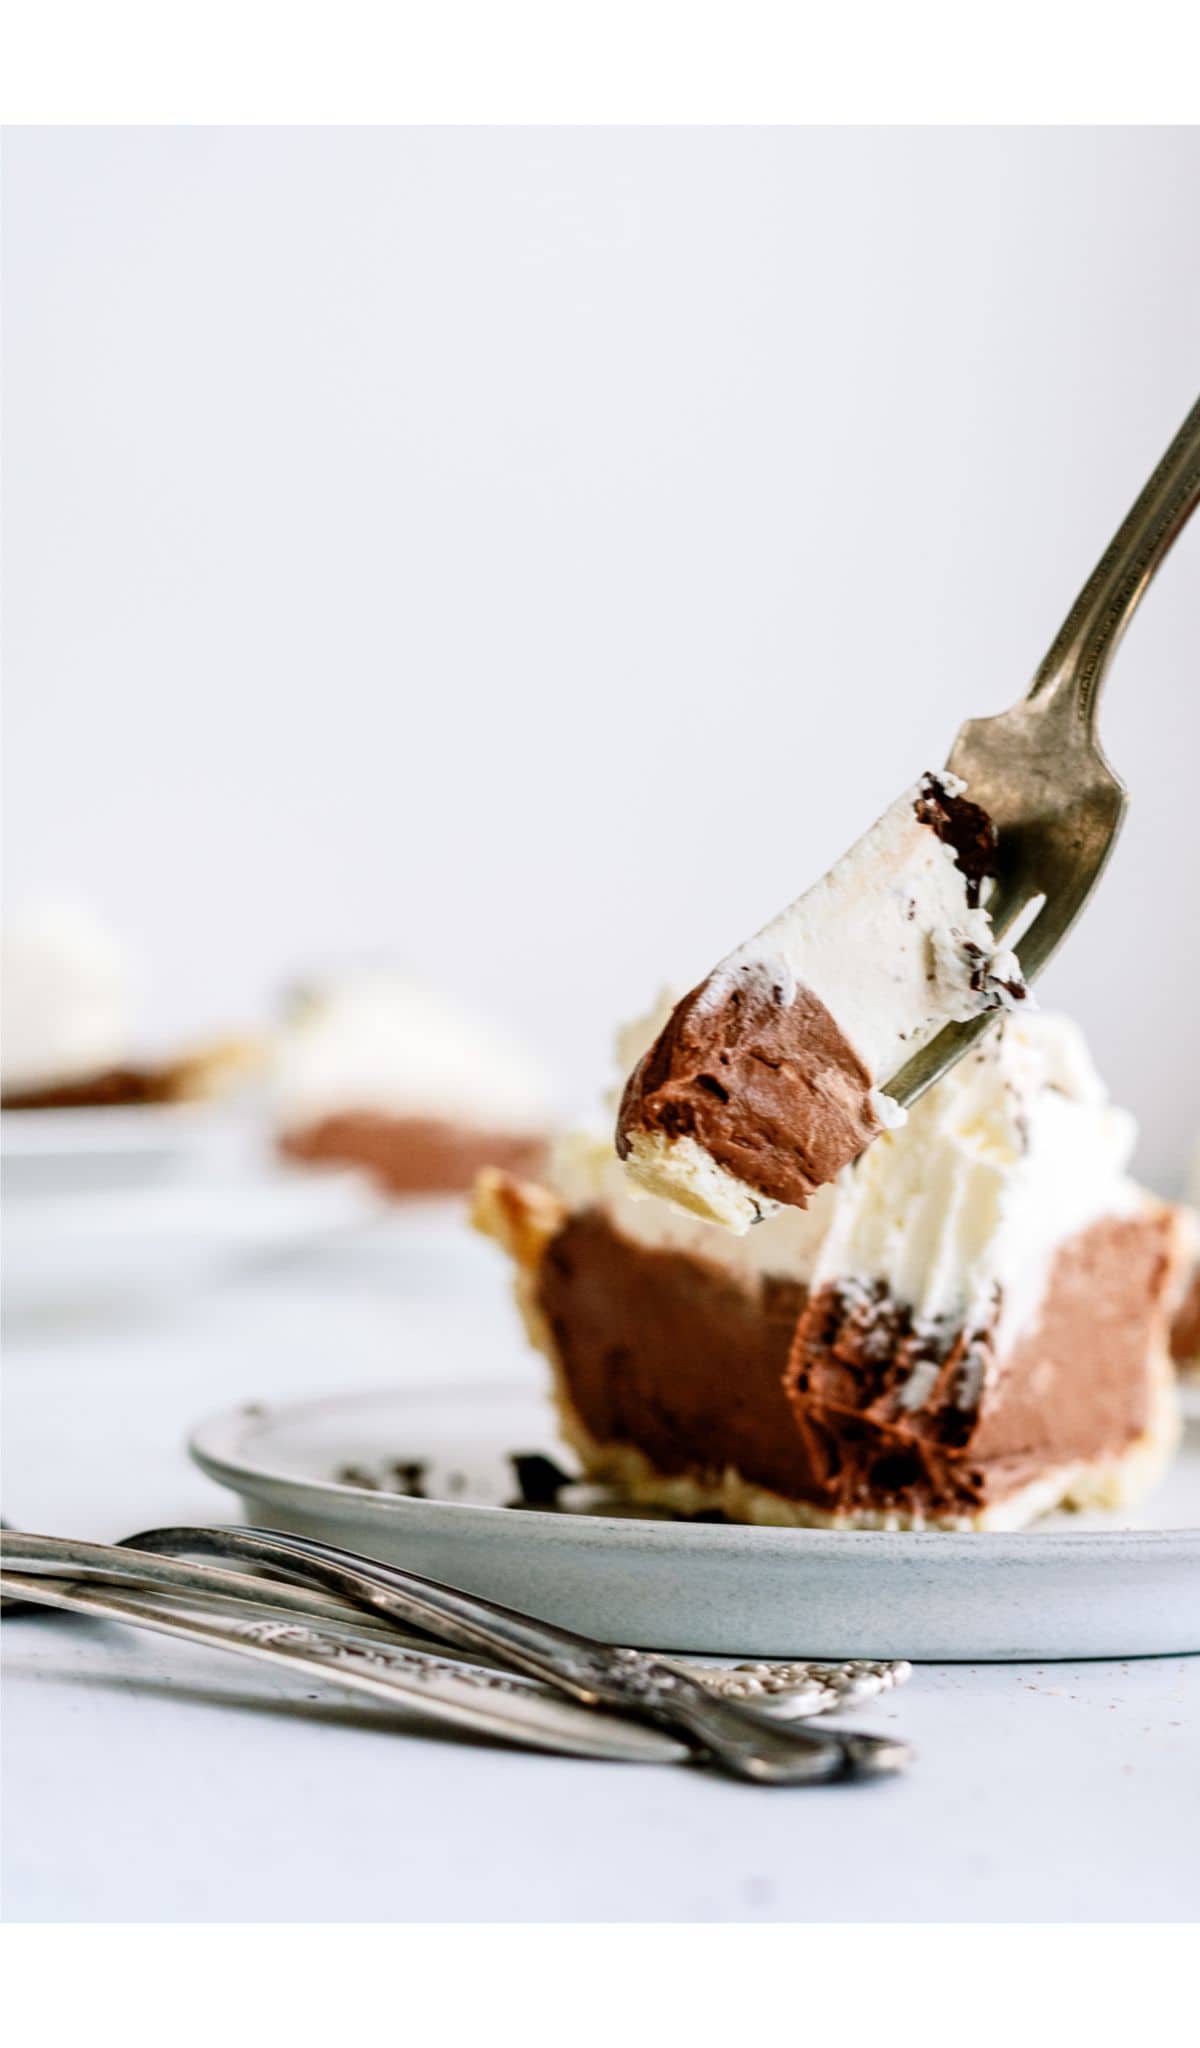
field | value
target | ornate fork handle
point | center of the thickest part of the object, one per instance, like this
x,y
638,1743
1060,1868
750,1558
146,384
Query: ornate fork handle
x,y
735,1736
743,1742
796,1689
482,1702
787,1688
592,1675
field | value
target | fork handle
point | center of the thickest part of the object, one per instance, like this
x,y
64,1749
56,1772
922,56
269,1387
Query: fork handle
x,y
592,1673
487,1703
1079,658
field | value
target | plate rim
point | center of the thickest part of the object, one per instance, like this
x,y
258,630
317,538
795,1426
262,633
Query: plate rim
x,y
211,1443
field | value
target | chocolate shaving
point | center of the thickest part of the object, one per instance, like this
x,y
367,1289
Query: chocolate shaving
x,y
964,827
357,1475
403,1475
408,1475
539,1479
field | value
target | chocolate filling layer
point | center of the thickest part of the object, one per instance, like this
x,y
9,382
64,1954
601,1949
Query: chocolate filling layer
x,y
837,1402
672,1355
412,1155
1185,1330
771,1090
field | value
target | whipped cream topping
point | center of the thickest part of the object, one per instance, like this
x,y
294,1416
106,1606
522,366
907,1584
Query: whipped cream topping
x,y
67,987
379,1042
888,940
957,1214
1014,1151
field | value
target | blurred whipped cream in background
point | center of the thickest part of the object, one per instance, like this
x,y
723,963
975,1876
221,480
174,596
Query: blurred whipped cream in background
x,y
377,1040
374,1070
68,992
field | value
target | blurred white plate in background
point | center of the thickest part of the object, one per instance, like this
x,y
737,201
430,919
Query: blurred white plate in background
x,y
57,1150
142,1239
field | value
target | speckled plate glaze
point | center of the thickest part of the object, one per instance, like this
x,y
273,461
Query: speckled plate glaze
x,y
1072,1587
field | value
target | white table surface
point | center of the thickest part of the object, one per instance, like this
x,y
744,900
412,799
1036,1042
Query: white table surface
x,y
144,1780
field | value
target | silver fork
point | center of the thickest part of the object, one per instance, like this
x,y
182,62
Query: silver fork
x,y
1039,769
654,1689
792,1689
358,1660
669,1697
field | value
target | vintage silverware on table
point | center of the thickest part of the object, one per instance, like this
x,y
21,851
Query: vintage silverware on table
x,y
1039,769
349,1619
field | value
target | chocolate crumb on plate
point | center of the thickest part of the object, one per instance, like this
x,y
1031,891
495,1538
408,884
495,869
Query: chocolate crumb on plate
x,y
539,1479
357,1475
408,1476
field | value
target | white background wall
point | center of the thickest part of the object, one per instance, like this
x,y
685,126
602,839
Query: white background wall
x,y
540,552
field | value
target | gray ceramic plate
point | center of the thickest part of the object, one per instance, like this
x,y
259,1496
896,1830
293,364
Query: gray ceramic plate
x,y
1076,1587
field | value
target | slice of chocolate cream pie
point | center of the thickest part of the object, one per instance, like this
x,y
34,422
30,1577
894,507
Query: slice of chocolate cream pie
x,y
968,1329
376,1072
768,1077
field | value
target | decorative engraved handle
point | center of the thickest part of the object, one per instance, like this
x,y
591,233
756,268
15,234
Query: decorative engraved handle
x,y
665,1694
741,1741
483,1702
